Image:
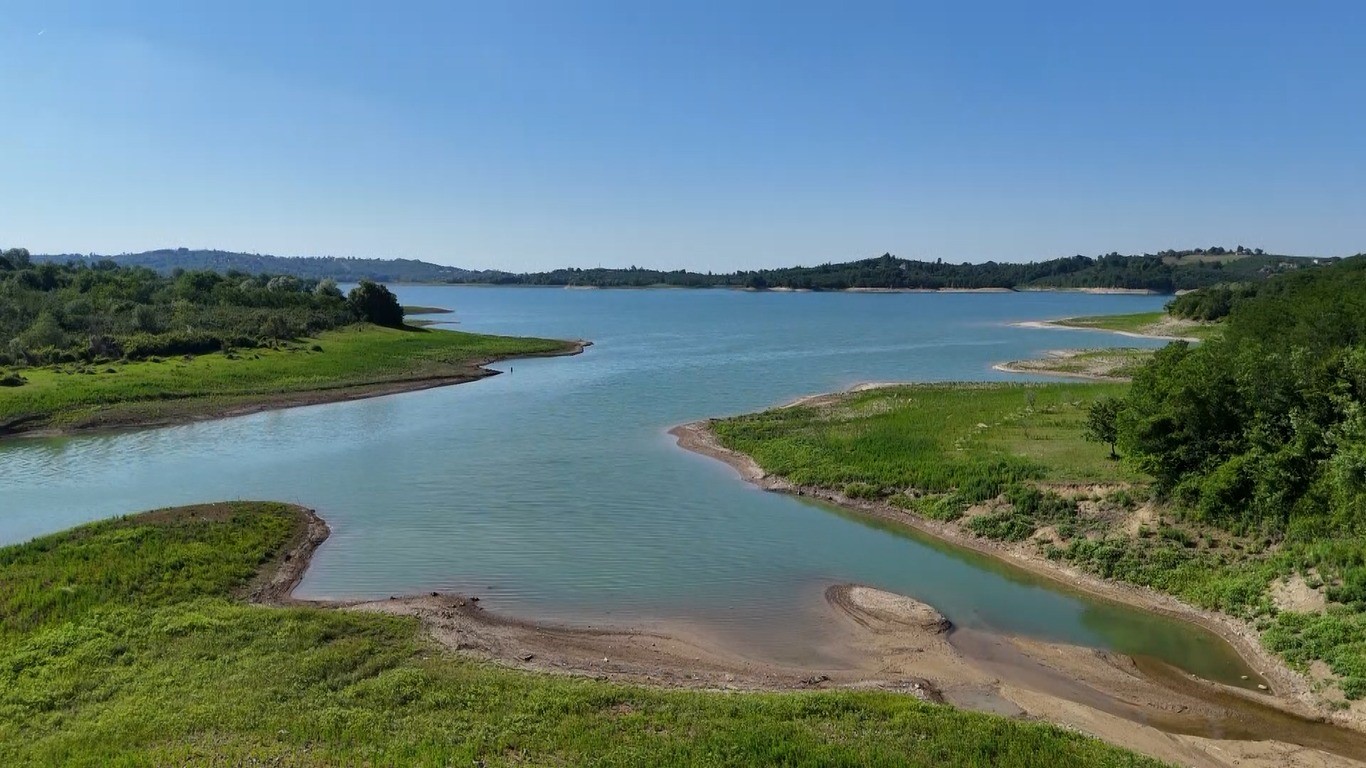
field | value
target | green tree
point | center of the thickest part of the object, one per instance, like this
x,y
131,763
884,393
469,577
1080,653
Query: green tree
x,y
1102,422
374,303
327,288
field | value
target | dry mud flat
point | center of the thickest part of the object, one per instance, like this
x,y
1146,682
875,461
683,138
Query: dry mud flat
x,y
894,643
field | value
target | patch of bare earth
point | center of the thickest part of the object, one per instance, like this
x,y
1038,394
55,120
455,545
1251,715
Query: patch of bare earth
x,y
1293,593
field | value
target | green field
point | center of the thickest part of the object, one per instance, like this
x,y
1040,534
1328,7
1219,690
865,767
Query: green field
x,y
149,391
1010,461
126,643
1157,323
932,437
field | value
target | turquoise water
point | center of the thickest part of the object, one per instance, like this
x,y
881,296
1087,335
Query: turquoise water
x,y
554,490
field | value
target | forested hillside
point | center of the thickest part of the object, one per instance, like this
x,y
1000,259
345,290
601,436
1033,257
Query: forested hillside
x,y
1262,433
61,313
1265,427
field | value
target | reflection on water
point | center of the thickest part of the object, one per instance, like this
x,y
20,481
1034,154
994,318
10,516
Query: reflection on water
x,y
554,490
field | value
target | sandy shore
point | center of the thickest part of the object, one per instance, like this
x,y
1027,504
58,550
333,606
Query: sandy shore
x,y
1017,366
204,408
1099,368
885,642
1058,325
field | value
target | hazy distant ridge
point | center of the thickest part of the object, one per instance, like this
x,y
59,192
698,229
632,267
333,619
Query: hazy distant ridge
x,y
312,267
1163,272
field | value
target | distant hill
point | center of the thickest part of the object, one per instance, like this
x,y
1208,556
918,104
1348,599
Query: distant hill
x,y
309,267
1167,272
1164,272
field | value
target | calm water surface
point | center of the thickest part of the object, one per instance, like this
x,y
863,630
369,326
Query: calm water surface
x,y
555,491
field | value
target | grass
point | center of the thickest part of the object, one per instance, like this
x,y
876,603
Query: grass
x,y
933,438
123,643
1157,323
420,310
1010,460
156,390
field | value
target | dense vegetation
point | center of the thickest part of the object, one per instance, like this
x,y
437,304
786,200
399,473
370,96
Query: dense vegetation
x,y
1162,272
67,313
1265,427
122,643
1263,432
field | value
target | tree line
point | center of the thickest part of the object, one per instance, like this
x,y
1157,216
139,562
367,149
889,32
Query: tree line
x,y
86,312
1151,272
1263,430
1163,272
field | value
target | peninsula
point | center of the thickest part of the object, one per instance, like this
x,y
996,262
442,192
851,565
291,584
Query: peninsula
x,y
199,345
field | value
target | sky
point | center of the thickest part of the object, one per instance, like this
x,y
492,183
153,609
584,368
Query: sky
x,y
702,135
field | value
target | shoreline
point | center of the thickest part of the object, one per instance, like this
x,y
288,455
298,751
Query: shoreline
x,y
786,289
1286,684
203,408
887,642
1060,325
1105,364
1014,367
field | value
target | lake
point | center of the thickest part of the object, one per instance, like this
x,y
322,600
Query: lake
x,y
553,491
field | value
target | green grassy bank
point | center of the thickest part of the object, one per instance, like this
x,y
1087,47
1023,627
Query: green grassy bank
x,y
83,395
126,643
1009,462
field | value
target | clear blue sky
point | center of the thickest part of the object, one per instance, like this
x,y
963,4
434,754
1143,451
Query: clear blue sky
x,y
708,135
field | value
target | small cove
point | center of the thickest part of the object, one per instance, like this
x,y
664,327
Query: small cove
x,y
554,491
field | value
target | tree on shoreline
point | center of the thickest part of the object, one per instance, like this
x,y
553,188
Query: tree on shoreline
x,y
375,303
